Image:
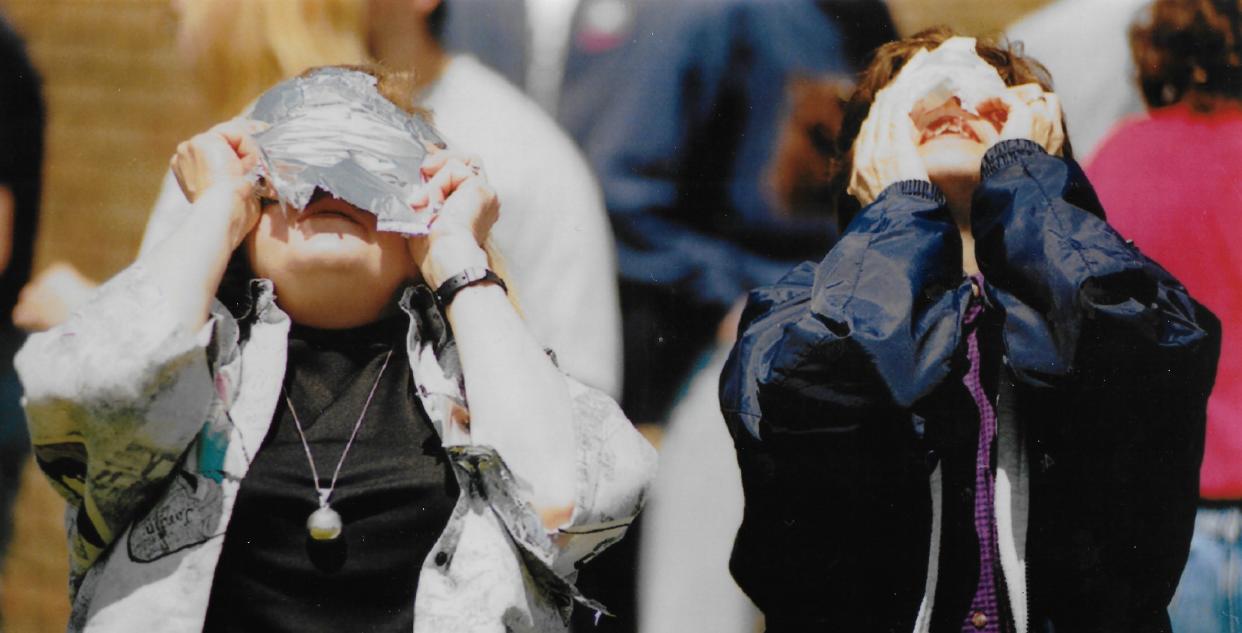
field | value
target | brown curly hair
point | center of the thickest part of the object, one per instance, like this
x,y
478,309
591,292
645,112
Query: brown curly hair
x,y
1189,49
1014,67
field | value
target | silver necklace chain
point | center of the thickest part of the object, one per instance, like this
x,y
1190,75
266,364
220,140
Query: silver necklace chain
x,y
325,494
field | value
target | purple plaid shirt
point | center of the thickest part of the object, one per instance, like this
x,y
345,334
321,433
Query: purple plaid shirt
x,y
984,614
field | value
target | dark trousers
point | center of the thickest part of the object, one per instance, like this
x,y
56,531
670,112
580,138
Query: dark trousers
x,y
14,436
664,338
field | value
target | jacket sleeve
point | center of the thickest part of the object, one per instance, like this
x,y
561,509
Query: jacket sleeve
x,y
871,326
817,393
1068,281
614,465
113,397
1131,359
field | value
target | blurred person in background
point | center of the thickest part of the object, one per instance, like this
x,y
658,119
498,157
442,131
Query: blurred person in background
x,y
1083,44
1172,182
21,168
554,233
683,152
682,157
566,54
983,410
166,409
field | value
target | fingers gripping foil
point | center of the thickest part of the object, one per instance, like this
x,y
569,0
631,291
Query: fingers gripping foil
x,y
332,130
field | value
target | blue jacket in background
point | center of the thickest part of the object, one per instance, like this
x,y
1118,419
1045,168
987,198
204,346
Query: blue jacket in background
x,y
843,388
684,149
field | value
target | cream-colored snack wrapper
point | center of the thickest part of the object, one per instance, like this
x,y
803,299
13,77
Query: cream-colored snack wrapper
x,y
953,69
926,81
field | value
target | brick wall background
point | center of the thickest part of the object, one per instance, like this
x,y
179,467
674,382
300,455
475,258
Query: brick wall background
x,y
118,103
971,17
117,106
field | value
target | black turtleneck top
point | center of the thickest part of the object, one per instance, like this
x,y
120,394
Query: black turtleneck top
x,y
395,493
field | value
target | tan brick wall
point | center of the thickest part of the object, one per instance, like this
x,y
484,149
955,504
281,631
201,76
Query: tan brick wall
x,y
970,17
117,105
118,102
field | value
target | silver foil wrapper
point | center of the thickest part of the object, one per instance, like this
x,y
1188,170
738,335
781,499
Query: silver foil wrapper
x,y
332,130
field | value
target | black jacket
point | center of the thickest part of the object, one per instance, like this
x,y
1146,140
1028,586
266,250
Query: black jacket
x,y
839,376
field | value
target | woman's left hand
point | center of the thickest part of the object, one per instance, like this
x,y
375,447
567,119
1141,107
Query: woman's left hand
x,y
1035,115
468,210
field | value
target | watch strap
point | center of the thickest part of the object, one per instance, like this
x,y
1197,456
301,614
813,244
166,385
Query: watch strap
x,y
468,277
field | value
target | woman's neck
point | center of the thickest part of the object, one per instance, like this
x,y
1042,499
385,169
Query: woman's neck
x,y
958,200
341,310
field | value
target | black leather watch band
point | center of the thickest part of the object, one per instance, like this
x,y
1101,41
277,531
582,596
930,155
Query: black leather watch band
x,y
467,277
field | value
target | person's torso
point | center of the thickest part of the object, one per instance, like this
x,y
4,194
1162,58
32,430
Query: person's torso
x,y
394,491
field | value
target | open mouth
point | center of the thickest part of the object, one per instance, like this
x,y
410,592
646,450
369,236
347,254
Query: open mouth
x,y
950,119
323,206
332,213
949,125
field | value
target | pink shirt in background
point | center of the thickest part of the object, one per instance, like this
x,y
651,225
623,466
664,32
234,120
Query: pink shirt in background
x,y
1172,182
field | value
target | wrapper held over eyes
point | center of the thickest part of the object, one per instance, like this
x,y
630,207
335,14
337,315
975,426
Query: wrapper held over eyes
x,y
885,149
333,130
953,69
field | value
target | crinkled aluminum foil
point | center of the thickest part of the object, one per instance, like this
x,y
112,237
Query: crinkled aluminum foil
x,y
332,130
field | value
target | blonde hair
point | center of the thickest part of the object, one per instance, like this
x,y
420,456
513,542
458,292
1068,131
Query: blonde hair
x,y
239,48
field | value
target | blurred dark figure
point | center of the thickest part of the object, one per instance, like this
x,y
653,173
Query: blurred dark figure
x,y
683,154
566,54
1172,182
683,145
21,166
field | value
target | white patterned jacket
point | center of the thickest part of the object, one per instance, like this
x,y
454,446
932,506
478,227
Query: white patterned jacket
x,y
147,430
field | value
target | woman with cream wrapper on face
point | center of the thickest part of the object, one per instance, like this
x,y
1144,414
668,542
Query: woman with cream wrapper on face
x,y
983,410
313,406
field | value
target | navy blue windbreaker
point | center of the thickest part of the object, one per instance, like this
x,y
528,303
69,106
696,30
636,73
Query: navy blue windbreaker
x,y
1106,365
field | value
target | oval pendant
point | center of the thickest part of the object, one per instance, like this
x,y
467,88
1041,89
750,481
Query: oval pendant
x,y
324,524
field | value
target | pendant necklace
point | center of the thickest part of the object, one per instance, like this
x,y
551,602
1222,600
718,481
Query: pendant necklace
x,y
324,524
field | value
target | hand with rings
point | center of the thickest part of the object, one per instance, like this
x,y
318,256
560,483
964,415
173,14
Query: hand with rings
x,y
468,208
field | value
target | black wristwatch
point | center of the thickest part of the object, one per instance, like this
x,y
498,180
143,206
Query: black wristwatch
x,y
467,277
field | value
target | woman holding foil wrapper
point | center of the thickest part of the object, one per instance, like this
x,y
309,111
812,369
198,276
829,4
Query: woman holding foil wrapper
x,y
262,425
984,409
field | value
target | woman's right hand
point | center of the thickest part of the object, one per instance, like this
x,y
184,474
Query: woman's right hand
x,y
219,161
885,151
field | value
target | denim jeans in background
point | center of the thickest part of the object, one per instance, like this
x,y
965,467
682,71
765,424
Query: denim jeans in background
x,y
1209,598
